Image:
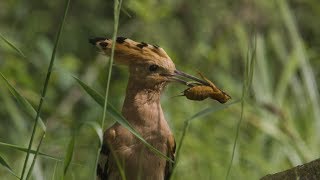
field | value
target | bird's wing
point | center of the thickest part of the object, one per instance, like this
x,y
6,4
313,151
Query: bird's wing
x,y
171,155
127,50
102,169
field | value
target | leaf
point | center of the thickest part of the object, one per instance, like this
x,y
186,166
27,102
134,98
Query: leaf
x,y
69,155
12,46
211,110
97,128
248,76
118,117
44,90
22,149
54,171
19,148
6,165
27,107
189,120
93,93
35,156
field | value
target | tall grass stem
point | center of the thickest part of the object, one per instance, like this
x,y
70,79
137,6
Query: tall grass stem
x,y
35,156
117,9
187,122
248,76
43,93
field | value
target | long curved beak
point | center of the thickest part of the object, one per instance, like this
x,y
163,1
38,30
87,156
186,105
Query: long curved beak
x,y
181,77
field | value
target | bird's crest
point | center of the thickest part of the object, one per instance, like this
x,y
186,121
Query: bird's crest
x,y
128,51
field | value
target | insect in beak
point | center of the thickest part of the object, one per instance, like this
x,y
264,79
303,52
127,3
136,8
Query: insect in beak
x,y
199,89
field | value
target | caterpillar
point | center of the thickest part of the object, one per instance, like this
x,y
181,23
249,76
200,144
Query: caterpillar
x,y
202,92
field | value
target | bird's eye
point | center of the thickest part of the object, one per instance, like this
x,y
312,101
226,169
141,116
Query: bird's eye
x,y
153,67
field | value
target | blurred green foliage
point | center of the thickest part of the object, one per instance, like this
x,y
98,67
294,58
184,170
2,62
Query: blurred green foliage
x,y
282,114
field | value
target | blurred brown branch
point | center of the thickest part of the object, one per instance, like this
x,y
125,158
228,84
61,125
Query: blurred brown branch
x,y
309,171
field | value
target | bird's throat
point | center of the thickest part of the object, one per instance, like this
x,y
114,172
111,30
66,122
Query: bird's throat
x,y
142,105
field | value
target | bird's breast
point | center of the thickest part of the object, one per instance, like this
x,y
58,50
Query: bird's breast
x,y
136,157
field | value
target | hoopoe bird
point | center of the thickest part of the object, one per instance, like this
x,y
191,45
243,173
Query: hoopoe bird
x,y
150,70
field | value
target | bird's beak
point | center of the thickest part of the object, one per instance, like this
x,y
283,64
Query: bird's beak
x,y
179,76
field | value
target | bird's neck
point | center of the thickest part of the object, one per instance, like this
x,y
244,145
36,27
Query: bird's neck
x,y
142,105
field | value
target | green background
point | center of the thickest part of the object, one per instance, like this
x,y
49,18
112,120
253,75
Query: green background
x,y
281,122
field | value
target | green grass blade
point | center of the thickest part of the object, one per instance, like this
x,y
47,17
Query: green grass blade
x,y
14,112
6,166
236,136
54,171
118,117
35,156
27,107
45,86
252,61
124,10
97,129
12,46
187,122
22,149
93,93
4,163
69,155
116,12
19,148
210,110
248,77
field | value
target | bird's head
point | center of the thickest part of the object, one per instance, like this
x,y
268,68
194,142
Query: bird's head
x,y
149,65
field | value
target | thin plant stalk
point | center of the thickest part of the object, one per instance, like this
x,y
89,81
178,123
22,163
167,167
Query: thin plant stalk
x,y
6,166
43,93
117,8
12,46
187,122
185,129
248,75
35,156
54,171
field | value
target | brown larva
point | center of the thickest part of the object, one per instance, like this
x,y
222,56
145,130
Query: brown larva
x,y
202,92
198,93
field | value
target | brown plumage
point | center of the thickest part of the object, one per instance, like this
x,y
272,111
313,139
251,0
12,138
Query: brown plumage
x,y
150,70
